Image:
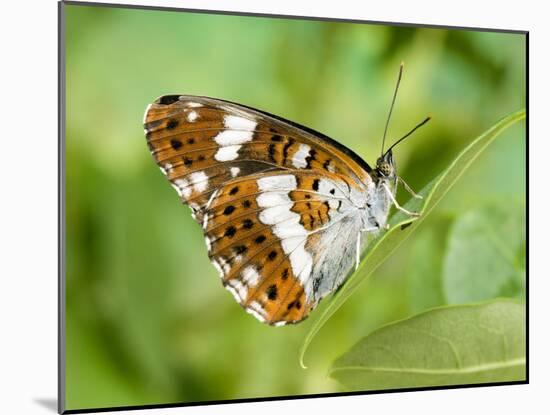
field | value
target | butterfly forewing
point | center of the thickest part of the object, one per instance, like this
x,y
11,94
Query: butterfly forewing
x,y
274,199
201,143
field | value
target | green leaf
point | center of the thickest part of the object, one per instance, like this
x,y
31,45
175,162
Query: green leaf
x,y
492,241
401,225
451,345
424,267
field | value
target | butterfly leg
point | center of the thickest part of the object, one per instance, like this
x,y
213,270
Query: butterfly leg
x,y
397,205
408,189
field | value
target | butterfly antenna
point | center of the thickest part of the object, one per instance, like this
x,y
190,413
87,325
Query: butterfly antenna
x,y
392,104
409,133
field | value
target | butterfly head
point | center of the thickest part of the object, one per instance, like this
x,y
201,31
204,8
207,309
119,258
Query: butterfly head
x,y
385,166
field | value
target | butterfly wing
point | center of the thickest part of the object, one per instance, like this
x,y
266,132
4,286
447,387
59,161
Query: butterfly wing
x,y
281,241
200,143
275,199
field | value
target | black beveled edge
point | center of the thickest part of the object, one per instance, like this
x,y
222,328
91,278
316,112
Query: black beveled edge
x,y
292,397
527,206
61,282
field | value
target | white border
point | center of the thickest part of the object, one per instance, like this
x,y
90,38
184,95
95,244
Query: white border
x,y
28,228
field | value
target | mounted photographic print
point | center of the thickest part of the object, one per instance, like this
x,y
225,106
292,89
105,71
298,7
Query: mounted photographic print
x,y
256,207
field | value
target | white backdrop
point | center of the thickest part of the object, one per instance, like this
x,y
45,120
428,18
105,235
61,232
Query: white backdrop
x,y
28,204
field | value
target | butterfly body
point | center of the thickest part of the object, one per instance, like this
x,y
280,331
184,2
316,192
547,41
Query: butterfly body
x,y
282,207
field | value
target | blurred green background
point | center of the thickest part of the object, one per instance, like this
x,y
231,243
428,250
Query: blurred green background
x,y
147,318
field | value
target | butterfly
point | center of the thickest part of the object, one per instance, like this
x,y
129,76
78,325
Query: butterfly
x,y
282,207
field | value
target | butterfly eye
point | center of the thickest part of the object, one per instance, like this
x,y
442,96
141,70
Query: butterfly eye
x,y
385,168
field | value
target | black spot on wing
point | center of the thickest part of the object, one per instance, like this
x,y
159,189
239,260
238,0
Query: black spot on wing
x,y
284,275
272,292
295,303
315,185
171,124
229,210
176,144
230,231
240,249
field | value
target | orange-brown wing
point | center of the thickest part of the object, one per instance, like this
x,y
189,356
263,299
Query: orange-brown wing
x,y
274,239
201,143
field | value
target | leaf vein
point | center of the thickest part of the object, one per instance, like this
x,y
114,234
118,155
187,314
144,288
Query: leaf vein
x,y
451,371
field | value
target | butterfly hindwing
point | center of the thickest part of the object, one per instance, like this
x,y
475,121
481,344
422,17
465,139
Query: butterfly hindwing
x,y
260,232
